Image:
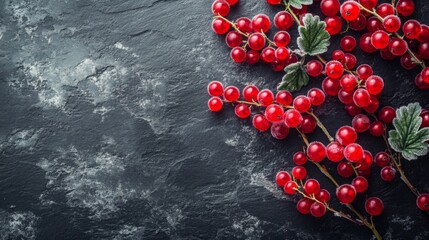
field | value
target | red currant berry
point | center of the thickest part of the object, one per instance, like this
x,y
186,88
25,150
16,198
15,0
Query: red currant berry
x,y
231,94
242,110
250,93
220,7
215,89
392,23
278,65
425,119
338,55
424,33
398,47
302,103
268,54
233,39
374,206
345,169
244,24
220,26
374,24
359,23
334,69
387,173
333,25
423,201
385,9
420,83
265,97
405,7
261,23
348,43
346,193
366,161
352,109
330,7
274,2
256,41
314,68
360,183
260,122
331,86
284,98
364,71
299,172
293,118
281,39
348,82
425,75
423,50
299,158
252,57
387,114
350,10
283,20
386,54
238,54
279,130
232,2
317,209
364,173
361,97
303,206
353,152
316,96
300,11
323,195
316,151
376,129
311,186
411,29
308,124
282,178
408,62
361,123
215,104
350,61
335,152
368,4
282,53
379,39
290,187
374,85
382,159
365,43
346,135
373,105
345,97
274,113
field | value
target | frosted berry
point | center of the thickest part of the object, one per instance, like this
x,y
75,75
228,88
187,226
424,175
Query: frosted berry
x,y
387,114
335,152
279,130
308,124
316,96
317,209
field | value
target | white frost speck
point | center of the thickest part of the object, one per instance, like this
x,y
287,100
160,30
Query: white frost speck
x,y
17,225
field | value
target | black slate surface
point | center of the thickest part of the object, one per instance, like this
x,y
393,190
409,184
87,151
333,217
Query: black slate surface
x,y
104,131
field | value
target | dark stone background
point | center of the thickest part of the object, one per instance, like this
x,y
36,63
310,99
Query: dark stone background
x,y
105,132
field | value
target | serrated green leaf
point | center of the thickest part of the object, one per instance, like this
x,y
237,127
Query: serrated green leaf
x,y
407,138
295,78
313,38
298,3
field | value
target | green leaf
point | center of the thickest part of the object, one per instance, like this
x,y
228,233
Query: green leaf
x,y
407,137
313,38
298,3
295,78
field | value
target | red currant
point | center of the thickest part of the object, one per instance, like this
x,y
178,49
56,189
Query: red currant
x,y
215,89
338,55
238,54
333,25
283,20
278,65
365,43
330,7
346,193
256,41
352,109
232,2
364,71
359,23
374,206
425,119
244,24
233,39
423,50
334,69
299,172
220,7
231,94
398,47
260,122
392,23
411,29
366,161
345,169
374,85
314,68
215,104
379,39
290,187
353,152
242,110
361,97
317,209
373,24
373,105
345,97
308,124
368,4
387,173
350,61
220,26
281,39
250,93
350,10
282,178
316,151
261,22
274,2
323,195
311,186
303,206
331,86
408,62
348,43
360,183
316,96
346,135
361,123
274,113
302,103
279,130
420,83
282,53
382,159
265,97
405,7
387,114
293,118
252,57
335,152
348,82
376,129
284,98
299,158
423,201
424,33
268,54
386,54
385,9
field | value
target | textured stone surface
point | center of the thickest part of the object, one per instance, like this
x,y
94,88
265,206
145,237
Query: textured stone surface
x,y
105,133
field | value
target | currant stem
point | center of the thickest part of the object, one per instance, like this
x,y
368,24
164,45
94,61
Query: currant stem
x,y
321,126
292,13
304,138
233,25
